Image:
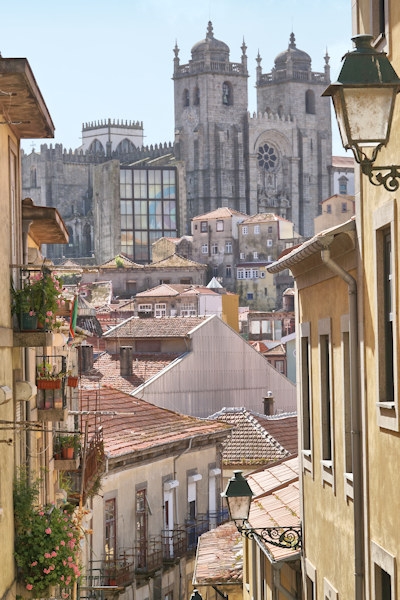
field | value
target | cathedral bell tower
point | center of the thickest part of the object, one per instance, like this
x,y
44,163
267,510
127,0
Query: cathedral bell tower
x,y
210,95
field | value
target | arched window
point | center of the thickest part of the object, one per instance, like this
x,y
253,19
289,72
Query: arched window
x,y
196,99
125,146
96,147
310,102
227,96
186,99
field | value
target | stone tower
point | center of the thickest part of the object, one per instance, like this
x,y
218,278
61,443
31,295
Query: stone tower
x,y
290,139
210,95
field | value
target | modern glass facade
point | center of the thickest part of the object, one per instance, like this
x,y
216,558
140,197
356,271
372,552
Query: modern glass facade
x,y
148,209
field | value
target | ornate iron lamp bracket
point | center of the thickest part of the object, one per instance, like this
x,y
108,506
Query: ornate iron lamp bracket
x,y
388,176
283,537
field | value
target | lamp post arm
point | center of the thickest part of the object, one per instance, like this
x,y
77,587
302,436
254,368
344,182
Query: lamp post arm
x,y
283,537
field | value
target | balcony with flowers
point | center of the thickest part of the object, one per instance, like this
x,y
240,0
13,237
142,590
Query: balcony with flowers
x,y
36,302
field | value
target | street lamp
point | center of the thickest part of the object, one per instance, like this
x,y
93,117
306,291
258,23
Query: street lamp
x,y
363,98
238,496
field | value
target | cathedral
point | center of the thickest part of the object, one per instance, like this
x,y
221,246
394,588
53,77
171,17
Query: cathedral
x,y
277,160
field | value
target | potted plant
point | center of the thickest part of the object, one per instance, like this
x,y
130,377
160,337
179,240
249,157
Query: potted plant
x,y
47,377
39,298
70,445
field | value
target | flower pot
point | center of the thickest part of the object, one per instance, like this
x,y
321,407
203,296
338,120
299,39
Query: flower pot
x,y
67,453
27,322
48,384
72,381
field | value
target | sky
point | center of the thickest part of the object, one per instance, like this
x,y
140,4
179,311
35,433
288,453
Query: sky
x,y
100,59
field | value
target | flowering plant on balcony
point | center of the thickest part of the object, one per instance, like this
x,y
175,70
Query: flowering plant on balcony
x,y
40,297
46,542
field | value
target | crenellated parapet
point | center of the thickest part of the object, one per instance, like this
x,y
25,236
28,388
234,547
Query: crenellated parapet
x,y
121,123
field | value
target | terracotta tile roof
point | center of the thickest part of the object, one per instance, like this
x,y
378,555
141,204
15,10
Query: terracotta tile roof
x,y
277,508
127,262
138,425
250,442
283,428
264,218
220,213
175,260
274,477
175,289
343,161
339,197
155,328
219,556
107,372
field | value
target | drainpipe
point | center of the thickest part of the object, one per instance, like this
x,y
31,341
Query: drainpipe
x,y
355,406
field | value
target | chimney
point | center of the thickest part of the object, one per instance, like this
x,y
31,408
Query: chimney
x,y
85,354
125,360
269,404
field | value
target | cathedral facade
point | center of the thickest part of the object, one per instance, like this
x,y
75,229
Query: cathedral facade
x,y
277,160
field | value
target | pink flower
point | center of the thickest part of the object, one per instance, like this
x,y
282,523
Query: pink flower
x,y
41,513
64,594
29,586
34,563
49,313
69,559
70,534
53,554
62,543
48,531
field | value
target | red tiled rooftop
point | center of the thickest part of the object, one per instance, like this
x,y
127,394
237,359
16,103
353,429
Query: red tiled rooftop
x,y
155,328
219,556
137,425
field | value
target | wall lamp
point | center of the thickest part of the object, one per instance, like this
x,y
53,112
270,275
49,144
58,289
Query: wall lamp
x,y
363,98
238,496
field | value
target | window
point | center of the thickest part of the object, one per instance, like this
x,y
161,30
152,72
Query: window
x,y
329,591
240,274
270,229
228,247
228,271
192,507
346,399
343,181
255,255
310,102
242,256
329,209
247,273
220,226
326,392
254,274
204,248
215,271
227,94
380,21
267,158
386,340
203,227
141,527
344,207
188,309
245,230
196,98
269,243
249,295
145,308
305,395
110,529
186,100
214,249
383,573
311,577
280,366
160,310
256,229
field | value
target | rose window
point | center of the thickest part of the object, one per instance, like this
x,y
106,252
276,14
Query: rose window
x,y
267,157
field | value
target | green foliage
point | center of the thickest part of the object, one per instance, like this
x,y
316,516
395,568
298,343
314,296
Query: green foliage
x,y
46,541
41,296
119,262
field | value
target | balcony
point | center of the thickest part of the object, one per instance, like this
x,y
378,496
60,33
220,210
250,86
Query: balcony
x,y
92,466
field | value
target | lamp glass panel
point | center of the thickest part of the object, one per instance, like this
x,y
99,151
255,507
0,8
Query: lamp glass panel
x,y
369,112
338,104
239,507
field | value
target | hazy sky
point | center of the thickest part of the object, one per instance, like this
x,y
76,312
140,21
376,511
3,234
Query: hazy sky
x,y
100,59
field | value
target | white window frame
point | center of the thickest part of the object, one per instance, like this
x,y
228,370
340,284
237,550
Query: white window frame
x,y
160,309
204,248
256,229
145,308
327,402
214,249
311,575
386,562
219,225
306,389
245,230
228,247
346,392
255,255
387,411
269,243
240,274
188,309
242,256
